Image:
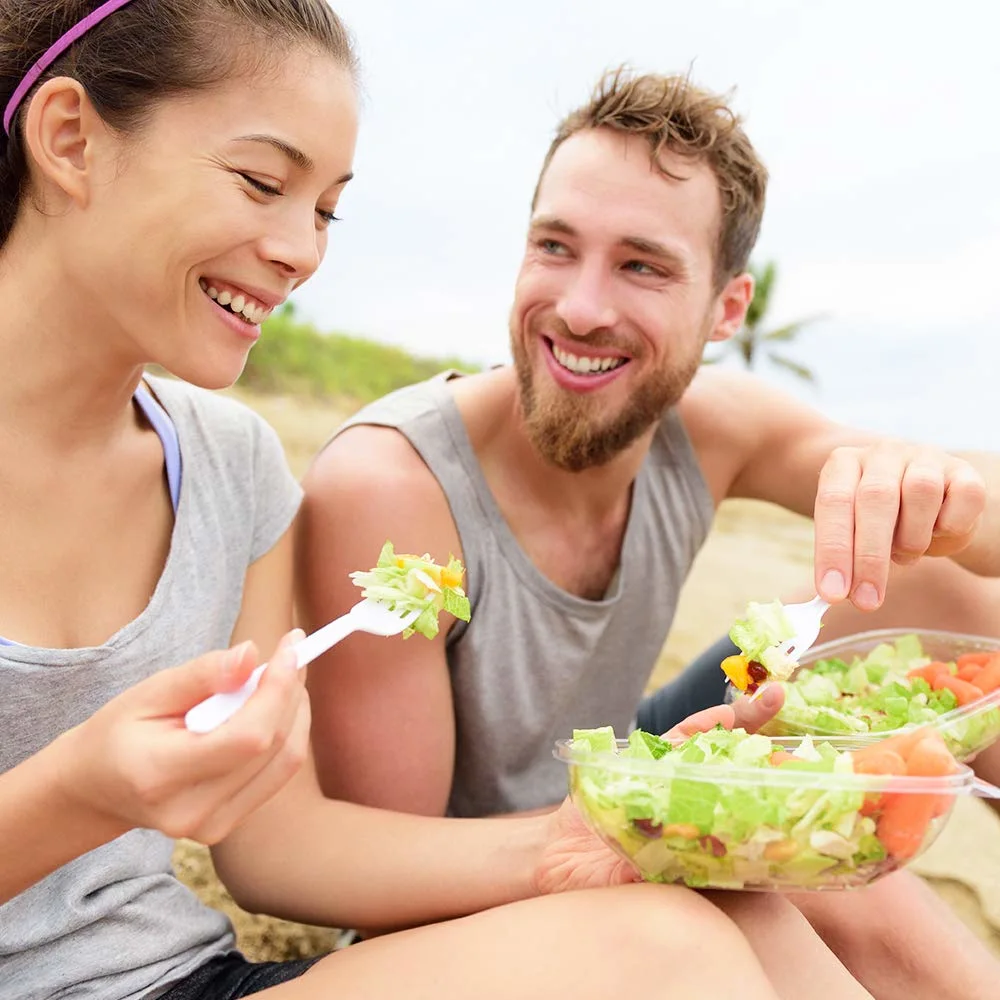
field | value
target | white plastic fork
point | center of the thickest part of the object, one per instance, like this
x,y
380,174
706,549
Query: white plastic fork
x,y
806,620
366,616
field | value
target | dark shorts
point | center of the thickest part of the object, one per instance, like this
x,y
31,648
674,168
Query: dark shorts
x,y
701,685
229,977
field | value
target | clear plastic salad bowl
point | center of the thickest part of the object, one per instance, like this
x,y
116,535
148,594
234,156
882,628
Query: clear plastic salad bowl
x,y
870,684
731,811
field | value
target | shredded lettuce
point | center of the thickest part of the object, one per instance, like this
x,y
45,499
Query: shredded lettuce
x,y
416,583
728,834
760,632
873,694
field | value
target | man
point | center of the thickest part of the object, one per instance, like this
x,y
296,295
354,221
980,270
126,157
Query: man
x,y
578,486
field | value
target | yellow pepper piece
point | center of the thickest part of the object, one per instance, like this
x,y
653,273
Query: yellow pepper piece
x,y
736,668
441,575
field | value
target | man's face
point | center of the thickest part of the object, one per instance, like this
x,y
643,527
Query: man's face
x,y
615,297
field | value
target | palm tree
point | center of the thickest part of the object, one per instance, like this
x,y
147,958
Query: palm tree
x,y
752,342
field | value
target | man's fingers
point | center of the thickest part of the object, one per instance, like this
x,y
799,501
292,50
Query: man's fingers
x,y
702,722
834,518
964,502
752,713
921,494
876,512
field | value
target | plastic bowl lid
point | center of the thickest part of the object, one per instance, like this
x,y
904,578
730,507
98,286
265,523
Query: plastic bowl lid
x,y
961,781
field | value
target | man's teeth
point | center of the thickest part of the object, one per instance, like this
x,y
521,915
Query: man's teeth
x,y
240,304
585,366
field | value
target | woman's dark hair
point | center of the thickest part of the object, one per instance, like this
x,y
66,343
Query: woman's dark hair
x,y
147,51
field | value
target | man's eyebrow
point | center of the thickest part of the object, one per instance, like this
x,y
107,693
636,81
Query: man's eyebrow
x,y
294,154
653,248
553,223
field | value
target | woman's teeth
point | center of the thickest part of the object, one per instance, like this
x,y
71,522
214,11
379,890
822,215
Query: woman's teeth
x,y
240,305
584,365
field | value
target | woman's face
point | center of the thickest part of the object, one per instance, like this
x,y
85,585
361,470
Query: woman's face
x,y
224,201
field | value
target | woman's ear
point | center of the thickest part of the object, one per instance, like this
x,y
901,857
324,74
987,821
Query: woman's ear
x,y
63,133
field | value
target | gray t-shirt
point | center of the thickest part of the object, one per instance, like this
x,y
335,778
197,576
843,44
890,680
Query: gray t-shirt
x,y
536,661
115,922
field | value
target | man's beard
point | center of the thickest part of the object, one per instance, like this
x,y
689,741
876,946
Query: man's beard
x,y
563,427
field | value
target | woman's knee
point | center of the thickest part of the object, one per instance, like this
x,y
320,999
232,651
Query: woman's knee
x,y
670,922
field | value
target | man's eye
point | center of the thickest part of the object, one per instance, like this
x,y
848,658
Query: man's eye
x,y
551,246
260,185
640,267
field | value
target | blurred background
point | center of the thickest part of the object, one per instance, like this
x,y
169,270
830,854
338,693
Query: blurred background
x,y
877,120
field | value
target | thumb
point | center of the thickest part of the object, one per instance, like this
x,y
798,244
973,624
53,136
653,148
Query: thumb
x,y
752,713
172,692
702,722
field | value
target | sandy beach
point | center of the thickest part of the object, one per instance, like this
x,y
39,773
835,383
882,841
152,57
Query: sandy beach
x,y
963,866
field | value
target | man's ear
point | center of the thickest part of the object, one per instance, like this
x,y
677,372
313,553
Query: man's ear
x,y
731,307
60,132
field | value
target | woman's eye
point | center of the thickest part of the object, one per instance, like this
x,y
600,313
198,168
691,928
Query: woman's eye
x,y
328,217
260,185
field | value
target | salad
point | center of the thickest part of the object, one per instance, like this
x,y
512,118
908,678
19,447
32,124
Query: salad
x,y
759,636
894,686
731,810
416,583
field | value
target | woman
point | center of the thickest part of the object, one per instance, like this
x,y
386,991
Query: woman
x,y
169,174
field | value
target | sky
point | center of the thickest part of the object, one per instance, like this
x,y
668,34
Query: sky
x,y
879,122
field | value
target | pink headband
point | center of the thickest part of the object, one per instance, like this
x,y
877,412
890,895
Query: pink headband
x,y
55,51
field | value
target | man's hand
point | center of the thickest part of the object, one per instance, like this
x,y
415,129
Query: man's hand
x,y
886,503
576,858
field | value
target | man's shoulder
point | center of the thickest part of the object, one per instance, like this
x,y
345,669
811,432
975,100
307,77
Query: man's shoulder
x,y
365,458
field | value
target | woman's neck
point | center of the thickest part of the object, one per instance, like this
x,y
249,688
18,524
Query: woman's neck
x,y
68,384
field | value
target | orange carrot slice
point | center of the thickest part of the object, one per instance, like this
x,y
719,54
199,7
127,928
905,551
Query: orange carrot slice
x,y
989,677
778,757
932,759
930,671
885,761
902,744
963,690
902,824
979,659
970,673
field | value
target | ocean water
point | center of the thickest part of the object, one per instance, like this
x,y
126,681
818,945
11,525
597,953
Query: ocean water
x,y
938,386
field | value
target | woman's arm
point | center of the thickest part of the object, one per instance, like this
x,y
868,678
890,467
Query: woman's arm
x,y
134,764
41,827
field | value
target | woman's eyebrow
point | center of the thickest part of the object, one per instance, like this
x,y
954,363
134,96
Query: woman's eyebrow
x,y
300,159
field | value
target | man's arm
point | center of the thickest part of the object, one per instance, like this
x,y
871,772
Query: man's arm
x,y
874,500
383,724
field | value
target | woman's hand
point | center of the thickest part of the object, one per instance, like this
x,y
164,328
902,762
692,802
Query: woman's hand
x,y
134,763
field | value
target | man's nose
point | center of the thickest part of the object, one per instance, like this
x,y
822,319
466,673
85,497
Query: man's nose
x,y
587,303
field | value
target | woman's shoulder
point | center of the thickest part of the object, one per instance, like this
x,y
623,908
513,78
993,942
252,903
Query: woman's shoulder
x,y
210,422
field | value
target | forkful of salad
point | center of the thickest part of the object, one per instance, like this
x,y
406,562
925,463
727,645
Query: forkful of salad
x,y
772,638
402,594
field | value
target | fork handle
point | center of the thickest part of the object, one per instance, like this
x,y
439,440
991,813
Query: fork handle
x,y
322,639
212,712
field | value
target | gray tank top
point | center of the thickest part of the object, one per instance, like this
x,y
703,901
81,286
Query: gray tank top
x,y
115,922
536,661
